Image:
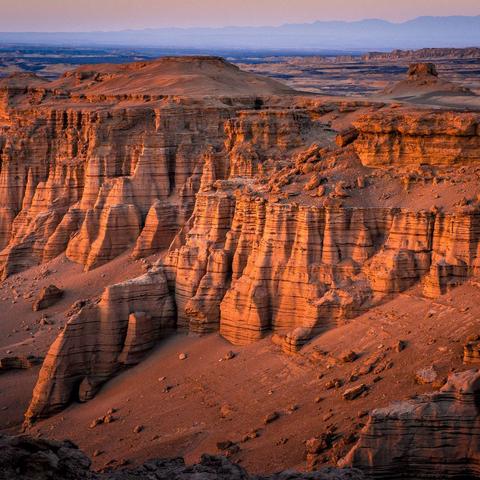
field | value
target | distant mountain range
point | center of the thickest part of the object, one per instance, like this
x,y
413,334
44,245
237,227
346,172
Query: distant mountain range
x,y
422,32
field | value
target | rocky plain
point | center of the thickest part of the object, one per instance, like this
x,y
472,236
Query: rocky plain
x,y
203,265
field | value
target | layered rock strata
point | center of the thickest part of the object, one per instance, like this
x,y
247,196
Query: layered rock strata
x,y
248,266
94,174
431,436
418,137
250,192
102,338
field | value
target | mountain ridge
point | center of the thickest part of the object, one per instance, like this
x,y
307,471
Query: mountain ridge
x,y
420,32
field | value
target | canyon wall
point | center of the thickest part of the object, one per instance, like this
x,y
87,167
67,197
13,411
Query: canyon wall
x,y
248,266
84,181
431,436
263,250
261,222
402,138
92,180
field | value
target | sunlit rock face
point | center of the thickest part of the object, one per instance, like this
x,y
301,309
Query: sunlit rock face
x,y
418,137
83,165
256,266
265,223
254,258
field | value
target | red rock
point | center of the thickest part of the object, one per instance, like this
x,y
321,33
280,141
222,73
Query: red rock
x,y
429,436
48,296
354,392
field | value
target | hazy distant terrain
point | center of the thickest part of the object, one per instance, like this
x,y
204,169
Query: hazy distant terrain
x,y
325,73
453,31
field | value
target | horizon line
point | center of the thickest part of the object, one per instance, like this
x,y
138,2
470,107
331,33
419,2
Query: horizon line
x,y
225,27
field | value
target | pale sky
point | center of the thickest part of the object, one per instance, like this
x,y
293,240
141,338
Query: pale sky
x,y
85,15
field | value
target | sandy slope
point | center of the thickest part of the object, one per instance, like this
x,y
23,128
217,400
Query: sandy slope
x,y
203,400
21,330
189,76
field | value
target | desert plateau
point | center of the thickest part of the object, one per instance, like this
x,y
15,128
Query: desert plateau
x,y
239,264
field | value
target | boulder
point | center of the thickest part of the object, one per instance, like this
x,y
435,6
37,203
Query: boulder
x,y
48,296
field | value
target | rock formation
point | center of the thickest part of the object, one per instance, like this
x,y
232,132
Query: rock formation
x,y
423,79
18,363
417,71
28,458
265,216
95,161
102,338
257,266
250,260
471,350
399,137
47,297
431,436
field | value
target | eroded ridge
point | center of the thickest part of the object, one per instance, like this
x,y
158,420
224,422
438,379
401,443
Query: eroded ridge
x,y
295,240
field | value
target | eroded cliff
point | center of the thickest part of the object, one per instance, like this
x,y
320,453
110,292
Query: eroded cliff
x,y
418,137
271,225
296,250
432,436
87,168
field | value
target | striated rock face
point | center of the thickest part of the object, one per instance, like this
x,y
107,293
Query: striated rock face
x,y
418,137
89,179
471,350
268,224
431,436
28,458
159,229
101,339
248,266
93,162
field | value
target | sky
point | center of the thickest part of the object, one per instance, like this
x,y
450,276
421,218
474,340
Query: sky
x,y
87,15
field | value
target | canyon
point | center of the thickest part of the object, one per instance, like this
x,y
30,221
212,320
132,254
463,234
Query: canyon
x,y
238,208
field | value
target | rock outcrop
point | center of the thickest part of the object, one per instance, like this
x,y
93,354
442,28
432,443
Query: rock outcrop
x,y
28,458
423,79
48,296
263,215
95,161
247,264
18,363
418,137
255,266
431,436
101,339
471,350
418,71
